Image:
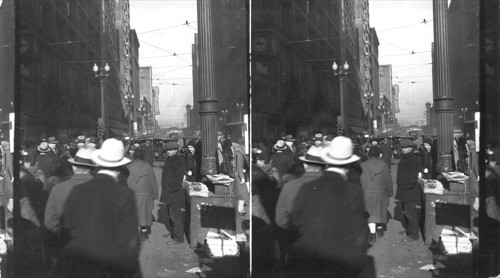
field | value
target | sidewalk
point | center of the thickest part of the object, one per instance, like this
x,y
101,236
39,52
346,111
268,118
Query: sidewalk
x,y
394,258
161,260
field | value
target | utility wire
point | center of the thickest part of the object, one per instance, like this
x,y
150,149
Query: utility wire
x,y
173,70
404,26
173,53
412,53
184,24
411,68
406,50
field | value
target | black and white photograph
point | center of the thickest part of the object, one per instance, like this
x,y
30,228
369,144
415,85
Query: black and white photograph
x,y
250,138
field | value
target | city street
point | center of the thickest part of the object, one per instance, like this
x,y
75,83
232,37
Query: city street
x,y
158,259
397,259
393,258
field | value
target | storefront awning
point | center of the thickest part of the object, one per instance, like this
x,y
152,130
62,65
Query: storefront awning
x,y
357,130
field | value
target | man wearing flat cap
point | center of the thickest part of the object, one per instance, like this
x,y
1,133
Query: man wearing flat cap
x,y
409,192
328,223
172,192
98,231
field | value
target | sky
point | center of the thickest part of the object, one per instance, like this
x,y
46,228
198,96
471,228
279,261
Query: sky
x,y
162,31
401,30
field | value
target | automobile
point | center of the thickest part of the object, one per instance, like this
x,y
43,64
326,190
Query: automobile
x,y
159,147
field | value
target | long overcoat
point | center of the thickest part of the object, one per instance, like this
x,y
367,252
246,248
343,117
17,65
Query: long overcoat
x,y
142,181
172,176
377,185
99,231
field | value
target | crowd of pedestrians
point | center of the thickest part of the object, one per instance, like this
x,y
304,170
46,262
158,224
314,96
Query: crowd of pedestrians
x,y
86,205
305,193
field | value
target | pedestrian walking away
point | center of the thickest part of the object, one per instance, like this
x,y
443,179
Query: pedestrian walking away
x,y
172,192
409,191
377,187
98,231
142,181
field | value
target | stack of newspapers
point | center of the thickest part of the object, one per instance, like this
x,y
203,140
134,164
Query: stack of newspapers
x,y
453,243
220,245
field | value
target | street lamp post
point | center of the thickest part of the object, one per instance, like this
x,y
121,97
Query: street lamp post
x,y
102,73
340,73
129,101
369,102
143,112
464,111
239,106
224,114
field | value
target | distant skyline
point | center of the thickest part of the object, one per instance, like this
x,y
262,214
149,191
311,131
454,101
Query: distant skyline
x,y
162,31
401,30
165,45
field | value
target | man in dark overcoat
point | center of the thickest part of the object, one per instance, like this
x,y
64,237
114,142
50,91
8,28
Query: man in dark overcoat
x,y
328,222
386,150
98,227
172,193
409,192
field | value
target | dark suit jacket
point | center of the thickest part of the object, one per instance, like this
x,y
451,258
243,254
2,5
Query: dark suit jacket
x,y
330,228
99,231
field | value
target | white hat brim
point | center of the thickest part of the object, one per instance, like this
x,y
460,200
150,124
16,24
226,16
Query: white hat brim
x,y
303,159
95,156
72,161
334,161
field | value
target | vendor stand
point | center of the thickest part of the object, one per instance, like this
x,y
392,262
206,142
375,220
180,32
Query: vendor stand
x,y
447,204
209,210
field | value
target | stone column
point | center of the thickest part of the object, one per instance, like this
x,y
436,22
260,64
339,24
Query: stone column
x,y
208,100
443,98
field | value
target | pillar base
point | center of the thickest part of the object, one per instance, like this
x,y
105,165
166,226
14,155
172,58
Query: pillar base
x,y
208,165
443,163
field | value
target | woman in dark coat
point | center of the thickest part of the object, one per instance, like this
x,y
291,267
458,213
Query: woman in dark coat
x,y
190,157
377,186
142,181
427,160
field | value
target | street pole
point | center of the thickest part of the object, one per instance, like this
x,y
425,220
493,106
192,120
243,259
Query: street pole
x,y
208,100
443,98
104,96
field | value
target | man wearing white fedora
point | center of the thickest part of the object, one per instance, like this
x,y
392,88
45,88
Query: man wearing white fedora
x,y
328,221
82,166
98,227
314,167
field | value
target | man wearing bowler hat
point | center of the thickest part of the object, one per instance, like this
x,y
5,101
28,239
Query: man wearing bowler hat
x,y
409,192
98,227
172,192
328,221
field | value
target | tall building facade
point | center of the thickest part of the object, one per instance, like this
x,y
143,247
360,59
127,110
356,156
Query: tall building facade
x,y
230,61
8,58
374,44
122,11
135,84
463,39
294,44
60,94
365,77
